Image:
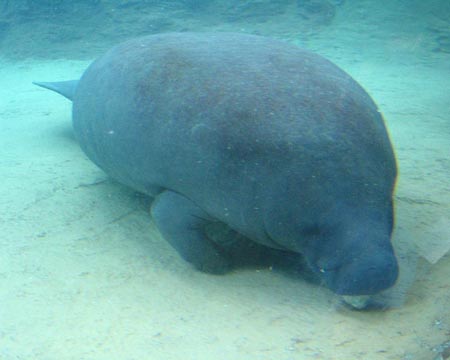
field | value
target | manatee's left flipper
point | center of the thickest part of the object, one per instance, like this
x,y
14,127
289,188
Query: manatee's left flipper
x,y
182,224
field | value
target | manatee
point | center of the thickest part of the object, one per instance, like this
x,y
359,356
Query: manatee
x,y
270,139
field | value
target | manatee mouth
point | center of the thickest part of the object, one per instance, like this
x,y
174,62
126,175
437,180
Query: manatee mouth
x,y
366,275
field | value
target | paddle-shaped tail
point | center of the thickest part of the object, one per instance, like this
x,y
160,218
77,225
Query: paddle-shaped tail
x,y
65,88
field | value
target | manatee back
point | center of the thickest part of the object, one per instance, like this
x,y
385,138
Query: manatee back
x,y
221,110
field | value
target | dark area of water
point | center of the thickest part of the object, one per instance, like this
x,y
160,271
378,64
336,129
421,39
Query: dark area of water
x,y
80,29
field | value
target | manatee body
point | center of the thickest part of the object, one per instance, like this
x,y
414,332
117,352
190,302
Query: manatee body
x,y
272,140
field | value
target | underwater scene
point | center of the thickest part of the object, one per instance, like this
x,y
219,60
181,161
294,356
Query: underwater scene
x,y
254,179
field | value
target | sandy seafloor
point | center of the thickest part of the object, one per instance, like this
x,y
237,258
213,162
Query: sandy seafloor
x,y
84,274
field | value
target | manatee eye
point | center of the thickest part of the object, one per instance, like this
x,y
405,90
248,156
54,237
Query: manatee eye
x,y
326,265
311,230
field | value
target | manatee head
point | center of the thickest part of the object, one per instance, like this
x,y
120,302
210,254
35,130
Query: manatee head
x,y
357,271
353,256
347,246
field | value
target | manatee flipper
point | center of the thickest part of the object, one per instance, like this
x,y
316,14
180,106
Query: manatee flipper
x,y
65,88
182,224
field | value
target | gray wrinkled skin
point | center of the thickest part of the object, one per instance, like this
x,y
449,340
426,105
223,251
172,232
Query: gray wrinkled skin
x,y
276,142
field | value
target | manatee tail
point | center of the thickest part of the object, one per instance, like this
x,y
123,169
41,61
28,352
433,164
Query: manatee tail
x,y
65,88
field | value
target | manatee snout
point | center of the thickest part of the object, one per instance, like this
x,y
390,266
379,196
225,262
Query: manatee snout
x,y
368,278
367,273
355,255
